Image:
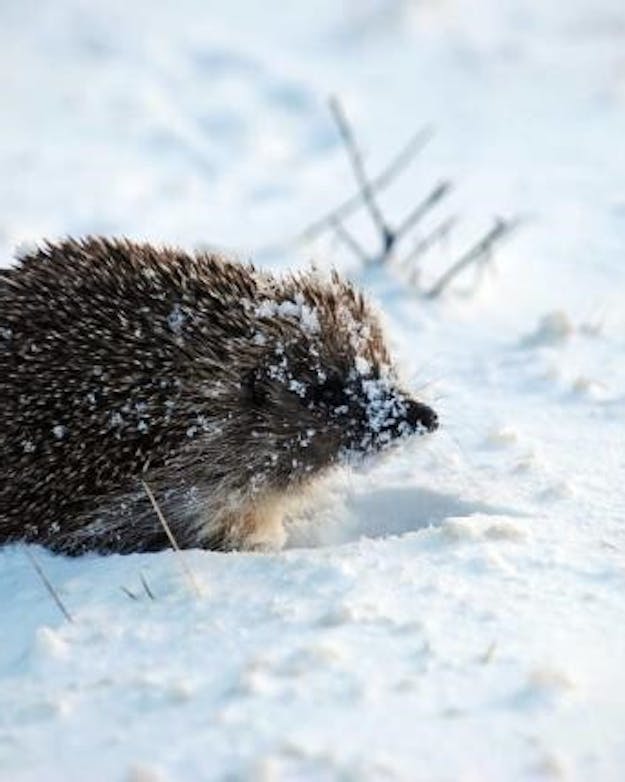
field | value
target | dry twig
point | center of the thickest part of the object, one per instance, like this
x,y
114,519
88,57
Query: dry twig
x,y
440,231
346,237
358,167
476,254
377,184
419,212
389,235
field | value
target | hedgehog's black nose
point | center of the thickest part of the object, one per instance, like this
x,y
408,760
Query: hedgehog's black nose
x,y
421,416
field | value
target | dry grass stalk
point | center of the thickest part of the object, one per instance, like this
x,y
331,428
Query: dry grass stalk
x,y
174,544
48,584
146,587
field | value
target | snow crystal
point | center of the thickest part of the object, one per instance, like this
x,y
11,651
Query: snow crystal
x,y
298,387
176,319
279,371
59,431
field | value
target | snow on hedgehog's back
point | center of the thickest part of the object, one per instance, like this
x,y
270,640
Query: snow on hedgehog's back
x,y
225,388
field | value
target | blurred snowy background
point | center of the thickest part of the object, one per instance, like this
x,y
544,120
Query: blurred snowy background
x,y
458,613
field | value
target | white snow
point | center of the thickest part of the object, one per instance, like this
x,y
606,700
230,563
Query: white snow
x,y
176,319
456,612
297,310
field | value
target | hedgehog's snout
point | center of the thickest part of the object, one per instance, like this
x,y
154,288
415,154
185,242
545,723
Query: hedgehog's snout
x,y
391,414
405,417
421,417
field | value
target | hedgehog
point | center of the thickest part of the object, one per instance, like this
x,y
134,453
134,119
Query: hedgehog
x,y
225,389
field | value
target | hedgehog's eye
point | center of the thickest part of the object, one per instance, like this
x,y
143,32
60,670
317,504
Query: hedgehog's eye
x,y
331,392
254,389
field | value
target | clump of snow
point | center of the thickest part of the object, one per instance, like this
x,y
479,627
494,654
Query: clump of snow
x,y
49,642
502,437
587,387
176,319
297,387
297,310
116,419
550,680
384,407
553,328
363,367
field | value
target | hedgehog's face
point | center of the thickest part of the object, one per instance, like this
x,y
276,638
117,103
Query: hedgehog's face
x,y
325,390
365,411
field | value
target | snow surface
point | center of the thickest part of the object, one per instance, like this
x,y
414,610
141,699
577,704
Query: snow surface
x,y
458,612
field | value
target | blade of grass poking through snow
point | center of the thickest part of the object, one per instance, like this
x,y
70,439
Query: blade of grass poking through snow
x,y
48,585
146,587
183,564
